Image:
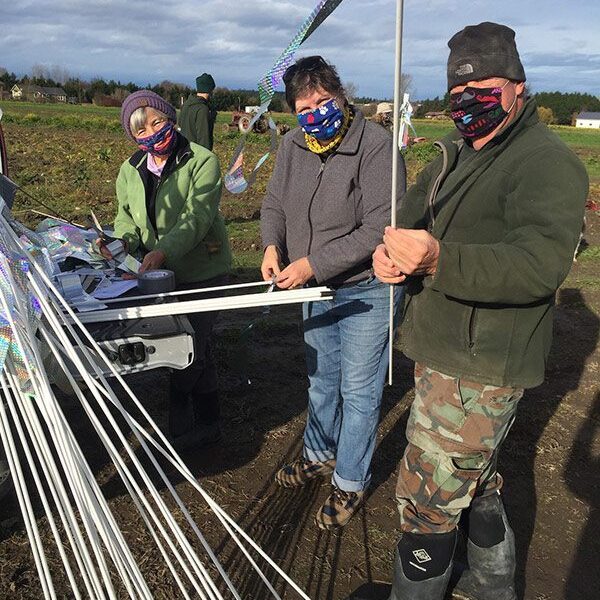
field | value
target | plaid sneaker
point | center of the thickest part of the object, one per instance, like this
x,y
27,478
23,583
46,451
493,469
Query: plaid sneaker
x,y
302,470
338,509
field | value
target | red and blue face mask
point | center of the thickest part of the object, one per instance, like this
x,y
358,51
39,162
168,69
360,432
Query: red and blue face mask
x,y
159,143
324,122
477,111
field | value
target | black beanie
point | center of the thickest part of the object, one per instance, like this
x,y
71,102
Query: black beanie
x,y
205,83
482,51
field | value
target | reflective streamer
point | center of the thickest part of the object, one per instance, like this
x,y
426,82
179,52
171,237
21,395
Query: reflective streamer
x,y
235,182
47,463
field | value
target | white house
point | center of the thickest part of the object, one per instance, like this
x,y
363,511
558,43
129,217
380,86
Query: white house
x,y
591,120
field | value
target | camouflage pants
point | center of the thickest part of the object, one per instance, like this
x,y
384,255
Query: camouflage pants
x,y
454,432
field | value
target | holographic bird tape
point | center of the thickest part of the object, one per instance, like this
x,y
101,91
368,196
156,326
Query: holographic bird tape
x,y
235,182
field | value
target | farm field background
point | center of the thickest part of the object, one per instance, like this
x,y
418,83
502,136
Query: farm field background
x,y
69,156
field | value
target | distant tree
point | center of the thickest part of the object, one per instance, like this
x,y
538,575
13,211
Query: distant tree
x,y
565,105
436,104
351,90
77,88
278,103
546,115
367,100
8,79
105,100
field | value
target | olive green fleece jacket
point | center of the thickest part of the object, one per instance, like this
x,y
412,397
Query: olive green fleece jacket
x,y
508,220
197,121
189,227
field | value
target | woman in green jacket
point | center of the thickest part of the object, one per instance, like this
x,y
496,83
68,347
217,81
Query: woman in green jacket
x,y
168,195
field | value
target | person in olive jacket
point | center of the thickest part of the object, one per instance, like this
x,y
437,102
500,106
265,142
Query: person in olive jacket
x,y
485,238
197,117
168,196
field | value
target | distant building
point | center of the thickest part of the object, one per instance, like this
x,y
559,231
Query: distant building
x,y
36,93
589,120
437,115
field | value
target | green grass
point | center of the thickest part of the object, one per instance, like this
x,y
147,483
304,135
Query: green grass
x,y
591,253
578,138
432,130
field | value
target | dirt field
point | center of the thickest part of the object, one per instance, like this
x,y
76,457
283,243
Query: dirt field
x,y
551,460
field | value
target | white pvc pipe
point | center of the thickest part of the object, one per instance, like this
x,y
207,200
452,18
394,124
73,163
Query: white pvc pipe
x,y
218,288
395,160
52,314
208,305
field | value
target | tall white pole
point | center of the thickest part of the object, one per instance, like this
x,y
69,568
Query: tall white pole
x,y
395,155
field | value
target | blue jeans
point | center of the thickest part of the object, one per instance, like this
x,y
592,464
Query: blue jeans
x,y
346,343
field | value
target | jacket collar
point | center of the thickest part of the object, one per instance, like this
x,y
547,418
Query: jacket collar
x,y
194,99
452,180
348,145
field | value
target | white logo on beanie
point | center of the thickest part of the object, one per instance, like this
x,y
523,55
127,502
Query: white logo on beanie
x,y
465,69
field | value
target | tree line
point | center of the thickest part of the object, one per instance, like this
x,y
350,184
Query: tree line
x,y
112,93
555,107
558,108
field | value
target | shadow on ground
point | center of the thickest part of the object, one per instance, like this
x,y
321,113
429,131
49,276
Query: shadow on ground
x,y
575,339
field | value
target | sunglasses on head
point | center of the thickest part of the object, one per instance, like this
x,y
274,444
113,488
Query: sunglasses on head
x,y
306,65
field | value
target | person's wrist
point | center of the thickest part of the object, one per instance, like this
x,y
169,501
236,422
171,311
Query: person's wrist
x,y
435,257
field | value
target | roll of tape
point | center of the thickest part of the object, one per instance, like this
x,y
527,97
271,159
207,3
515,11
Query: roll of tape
x,y
157,281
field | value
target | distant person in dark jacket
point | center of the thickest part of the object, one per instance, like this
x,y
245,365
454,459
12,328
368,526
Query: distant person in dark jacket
x,y
484,239
197,117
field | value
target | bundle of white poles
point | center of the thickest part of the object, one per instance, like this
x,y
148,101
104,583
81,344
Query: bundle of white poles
x,y
47,463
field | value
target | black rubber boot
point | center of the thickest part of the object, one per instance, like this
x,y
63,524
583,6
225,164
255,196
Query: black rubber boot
x,y
490,553
423,565
181,413
203,427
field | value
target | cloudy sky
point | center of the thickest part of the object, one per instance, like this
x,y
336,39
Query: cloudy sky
x,y
238,40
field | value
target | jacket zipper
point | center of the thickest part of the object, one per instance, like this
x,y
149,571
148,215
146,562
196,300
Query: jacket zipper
x,y
178,160
310,225
155,227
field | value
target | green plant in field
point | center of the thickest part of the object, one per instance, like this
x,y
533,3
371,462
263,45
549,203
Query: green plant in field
x,y
81,174
32,118
105,154
423,152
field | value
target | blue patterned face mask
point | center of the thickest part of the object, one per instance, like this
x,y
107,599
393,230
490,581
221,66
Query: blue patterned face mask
x,y
324,122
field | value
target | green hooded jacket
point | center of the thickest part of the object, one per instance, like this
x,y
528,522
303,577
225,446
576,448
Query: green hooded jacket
x,y
508,219
189,227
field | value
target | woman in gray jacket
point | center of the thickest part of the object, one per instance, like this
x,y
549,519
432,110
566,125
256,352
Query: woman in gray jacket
x,y
326,207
